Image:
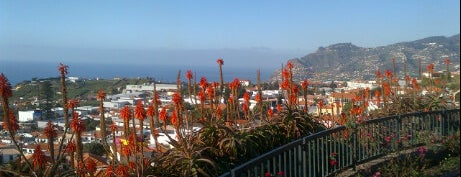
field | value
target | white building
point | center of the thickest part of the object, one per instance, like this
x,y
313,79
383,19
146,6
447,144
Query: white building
x,y
115,104
29,116
150,88
359,85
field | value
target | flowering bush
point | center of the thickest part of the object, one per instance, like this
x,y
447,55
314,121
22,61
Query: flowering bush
x,y
332,159
279,174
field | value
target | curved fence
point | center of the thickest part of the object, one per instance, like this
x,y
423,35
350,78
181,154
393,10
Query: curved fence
x,y
331,151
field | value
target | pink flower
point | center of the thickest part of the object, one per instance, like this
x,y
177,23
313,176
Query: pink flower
x,y
333,162
377,174
281,173
421,150
267,174
387,139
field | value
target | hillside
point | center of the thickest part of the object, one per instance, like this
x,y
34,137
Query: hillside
x,y
85,90
346,61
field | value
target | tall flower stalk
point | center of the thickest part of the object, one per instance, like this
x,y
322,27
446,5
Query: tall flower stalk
x,y
125,114
447,63
101,96
152,113
51,134
259,101
220,62
9,120
78,126
63,72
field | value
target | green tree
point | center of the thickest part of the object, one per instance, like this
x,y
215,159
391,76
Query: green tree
x,y
46,99
347,107
94,148
90,124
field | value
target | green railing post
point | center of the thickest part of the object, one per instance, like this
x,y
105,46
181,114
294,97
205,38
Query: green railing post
x,y
444,123
354,147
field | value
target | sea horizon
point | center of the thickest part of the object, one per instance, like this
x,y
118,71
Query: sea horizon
x,y
19,71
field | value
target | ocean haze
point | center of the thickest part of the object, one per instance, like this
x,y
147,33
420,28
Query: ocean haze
x,y
257,57
23,62
18,71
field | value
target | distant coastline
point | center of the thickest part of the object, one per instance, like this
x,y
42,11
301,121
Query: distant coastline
x,y
19,71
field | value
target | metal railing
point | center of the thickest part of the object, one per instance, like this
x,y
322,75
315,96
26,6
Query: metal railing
x,y
350,146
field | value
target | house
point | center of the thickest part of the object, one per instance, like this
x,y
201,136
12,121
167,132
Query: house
x,y
115,104
41,139
29,116
245,83
8,154
150,87
72,79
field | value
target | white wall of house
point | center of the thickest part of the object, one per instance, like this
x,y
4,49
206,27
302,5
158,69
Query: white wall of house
x,y
25,116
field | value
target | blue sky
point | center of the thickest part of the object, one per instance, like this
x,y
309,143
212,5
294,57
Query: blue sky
x,y
243,33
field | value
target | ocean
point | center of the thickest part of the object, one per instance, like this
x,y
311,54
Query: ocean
x,y
18,71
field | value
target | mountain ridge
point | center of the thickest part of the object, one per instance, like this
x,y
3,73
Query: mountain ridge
x,y
346,61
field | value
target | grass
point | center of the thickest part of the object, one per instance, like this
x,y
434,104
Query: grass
x,y
449,166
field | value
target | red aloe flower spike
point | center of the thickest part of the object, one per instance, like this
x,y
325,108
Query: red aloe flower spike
x,y
72,104
122,171
270,113
289,65
220,61
101,95
389,73
163,116
447,61
125,114
304,84
203,82
378,74
12,124
258,98
113,127
110,171
71,147
139,112
176,98
430,67
246,96
5,87
279,108
174,119
77,124
39,158
63,69
49,131
414,82
91,166
189,75
150,111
